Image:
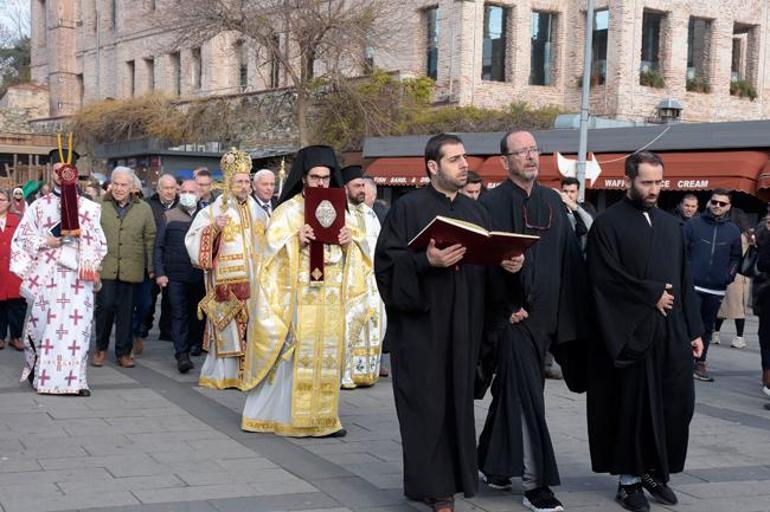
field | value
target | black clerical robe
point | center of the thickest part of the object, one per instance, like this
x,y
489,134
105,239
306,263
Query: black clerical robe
x,y
640,394
548,287
435,322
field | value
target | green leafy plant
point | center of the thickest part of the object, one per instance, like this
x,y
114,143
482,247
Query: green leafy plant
x,y
652,78
743,89
383,105
698,84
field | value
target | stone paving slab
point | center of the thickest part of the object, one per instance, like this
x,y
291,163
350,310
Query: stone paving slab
x,y
149,440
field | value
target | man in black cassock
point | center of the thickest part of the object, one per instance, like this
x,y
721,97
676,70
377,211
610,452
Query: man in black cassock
x,y
640,393
435,308
527,314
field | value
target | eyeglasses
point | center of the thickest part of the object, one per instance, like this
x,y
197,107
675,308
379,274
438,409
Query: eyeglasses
x,y
314,178
524,151
538,227
714,202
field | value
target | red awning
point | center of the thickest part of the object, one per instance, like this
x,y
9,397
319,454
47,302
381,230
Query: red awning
x,y
746,171
406,171
704,170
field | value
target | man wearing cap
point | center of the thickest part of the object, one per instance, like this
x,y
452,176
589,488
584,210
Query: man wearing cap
x,y
295,365
225,240
57,250
362,354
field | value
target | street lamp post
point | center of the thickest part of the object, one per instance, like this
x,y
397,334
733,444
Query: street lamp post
x,y
584,109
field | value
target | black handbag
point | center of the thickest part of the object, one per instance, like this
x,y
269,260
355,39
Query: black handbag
x,y
748,266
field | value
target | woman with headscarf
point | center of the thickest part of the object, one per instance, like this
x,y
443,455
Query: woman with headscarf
x,y
18,204
12,305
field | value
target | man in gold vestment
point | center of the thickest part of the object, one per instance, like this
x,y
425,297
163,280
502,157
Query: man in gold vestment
x,y
362,355
296,362
225,240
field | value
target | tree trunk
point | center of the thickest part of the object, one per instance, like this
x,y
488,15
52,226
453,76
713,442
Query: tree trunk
x,y
301,110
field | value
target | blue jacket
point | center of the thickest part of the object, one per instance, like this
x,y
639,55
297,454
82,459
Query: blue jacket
x,y
714,251
171,258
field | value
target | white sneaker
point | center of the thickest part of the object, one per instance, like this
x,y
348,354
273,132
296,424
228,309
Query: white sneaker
x,y
766,390
738,342
715,338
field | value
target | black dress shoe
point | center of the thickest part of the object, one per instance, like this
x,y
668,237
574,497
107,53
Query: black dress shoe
x,y
84,392
631,497
340,433
658,489
183,364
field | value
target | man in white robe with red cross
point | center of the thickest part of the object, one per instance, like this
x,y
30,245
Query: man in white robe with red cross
x,y
57,250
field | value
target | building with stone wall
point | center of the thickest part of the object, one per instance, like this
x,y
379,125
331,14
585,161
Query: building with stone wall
x,y
703,53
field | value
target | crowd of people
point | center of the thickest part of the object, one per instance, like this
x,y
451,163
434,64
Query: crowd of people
x,y
624,302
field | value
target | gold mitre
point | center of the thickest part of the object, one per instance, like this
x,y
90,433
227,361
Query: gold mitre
x,y
235,162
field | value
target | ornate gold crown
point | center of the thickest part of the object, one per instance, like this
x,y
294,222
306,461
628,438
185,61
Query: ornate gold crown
x,y
233,162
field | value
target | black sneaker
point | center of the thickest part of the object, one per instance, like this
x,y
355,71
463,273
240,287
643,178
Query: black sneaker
x,y
700,373
497,482
541,500
658,489
631,497
184,364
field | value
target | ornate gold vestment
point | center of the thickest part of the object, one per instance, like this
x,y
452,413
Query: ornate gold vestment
x,y
230,259
303,323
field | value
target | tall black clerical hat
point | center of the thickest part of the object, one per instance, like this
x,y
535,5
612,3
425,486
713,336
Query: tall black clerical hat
x,y
351,172
307,158
55,157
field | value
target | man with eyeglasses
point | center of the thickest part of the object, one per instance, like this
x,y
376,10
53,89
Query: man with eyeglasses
x,y
293,369
528,314
641,394
714,249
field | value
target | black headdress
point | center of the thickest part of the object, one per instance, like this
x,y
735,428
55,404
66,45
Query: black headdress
x,y
307,158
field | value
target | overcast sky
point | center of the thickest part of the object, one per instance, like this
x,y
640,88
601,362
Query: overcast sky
x,y
11,12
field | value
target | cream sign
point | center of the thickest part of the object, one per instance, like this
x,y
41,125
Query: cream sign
x,y
683,184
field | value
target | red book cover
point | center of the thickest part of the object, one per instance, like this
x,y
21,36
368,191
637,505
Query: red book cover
x,y
483,247
325,212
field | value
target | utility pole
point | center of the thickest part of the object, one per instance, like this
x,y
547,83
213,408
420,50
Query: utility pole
x,y
98,50
584,110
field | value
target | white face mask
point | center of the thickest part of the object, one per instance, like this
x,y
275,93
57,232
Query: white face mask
x,y
188,200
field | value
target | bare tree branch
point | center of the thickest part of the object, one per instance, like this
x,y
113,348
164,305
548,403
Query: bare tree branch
x,y
313,42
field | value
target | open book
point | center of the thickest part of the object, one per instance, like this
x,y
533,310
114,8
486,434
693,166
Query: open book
x,y
483,247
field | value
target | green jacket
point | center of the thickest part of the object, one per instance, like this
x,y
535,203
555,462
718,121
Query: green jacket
x,y
130,240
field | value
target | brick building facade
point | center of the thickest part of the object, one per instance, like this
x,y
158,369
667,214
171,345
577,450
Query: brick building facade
x,y
482,53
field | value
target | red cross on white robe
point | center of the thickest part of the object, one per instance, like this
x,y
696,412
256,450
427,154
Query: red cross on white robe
x,y
75,317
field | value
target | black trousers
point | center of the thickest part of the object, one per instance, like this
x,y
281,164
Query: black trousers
x,y
709,308
186,329
115,304
12,312
164,323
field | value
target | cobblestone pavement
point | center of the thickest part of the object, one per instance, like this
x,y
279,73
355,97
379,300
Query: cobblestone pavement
x,y
149,439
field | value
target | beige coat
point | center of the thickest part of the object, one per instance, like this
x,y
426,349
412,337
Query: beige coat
x,y
736,301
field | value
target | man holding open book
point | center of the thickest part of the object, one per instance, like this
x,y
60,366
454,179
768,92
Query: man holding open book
x,y
435,307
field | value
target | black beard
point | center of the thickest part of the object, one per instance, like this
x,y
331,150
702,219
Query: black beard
x,y
637,200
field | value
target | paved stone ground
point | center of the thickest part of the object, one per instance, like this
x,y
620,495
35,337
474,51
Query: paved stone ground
x,y
150,440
